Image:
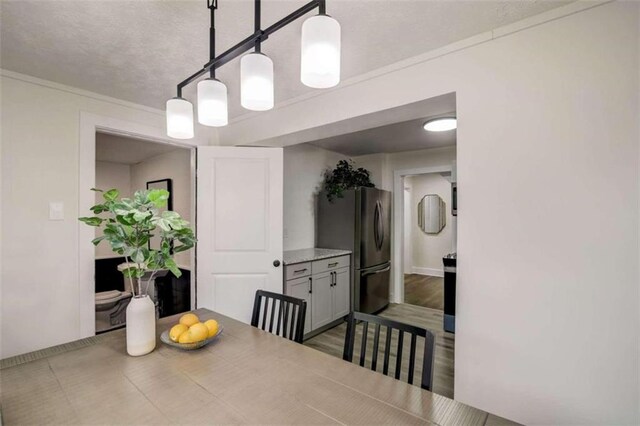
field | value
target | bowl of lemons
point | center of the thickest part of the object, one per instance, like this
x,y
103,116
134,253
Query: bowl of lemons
x,y
190,333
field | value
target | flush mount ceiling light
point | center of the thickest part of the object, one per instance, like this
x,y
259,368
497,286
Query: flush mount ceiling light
x,y
320,68
441,124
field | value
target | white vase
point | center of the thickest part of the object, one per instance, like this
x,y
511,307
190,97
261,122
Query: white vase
x,y
141,326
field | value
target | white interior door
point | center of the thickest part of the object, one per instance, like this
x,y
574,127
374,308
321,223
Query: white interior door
x,y
240,195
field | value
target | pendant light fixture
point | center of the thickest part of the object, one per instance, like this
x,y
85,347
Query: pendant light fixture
x,y
212,93
212,103
256,82
320,64
179,118
320,68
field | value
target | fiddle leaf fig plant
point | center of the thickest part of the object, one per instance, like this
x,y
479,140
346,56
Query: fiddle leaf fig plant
x,y
128,224
344,176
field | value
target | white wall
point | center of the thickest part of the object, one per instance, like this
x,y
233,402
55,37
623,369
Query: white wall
x,y
429,249
40,130
548,234
111,175
304,167
383,165
407,252
174,165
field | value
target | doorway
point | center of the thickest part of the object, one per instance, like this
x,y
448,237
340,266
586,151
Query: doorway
x,y
90,126
426,243
130,165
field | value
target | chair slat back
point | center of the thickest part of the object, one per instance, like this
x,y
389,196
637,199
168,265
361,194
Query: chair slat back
x,y
396,351
287,314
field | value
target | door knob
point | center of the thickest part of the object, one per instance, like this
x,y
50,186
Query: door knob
x,y
276,263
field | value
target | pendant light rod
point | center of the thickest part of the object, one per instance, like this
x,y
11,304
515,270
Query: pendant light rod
x,y
251,41
256,25
212,5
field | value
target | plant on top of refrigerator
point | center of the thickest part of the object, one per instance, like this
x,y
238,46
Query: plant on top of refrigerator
x,y
343,177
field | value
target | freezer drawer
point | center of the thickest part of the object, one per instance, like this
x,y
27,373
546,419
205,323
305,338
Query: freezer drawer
x,y
372,289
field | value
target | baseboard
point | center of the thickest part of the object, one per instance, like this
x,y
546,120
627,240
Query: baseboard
x,y
433,272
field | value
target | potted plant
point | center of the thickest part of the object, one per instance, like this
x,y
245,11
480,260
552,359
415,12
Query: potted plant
x,y
344,176
128,224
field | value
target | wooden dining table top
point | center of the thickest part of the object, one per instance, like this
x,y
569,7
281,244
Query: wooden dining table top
x,y
245,376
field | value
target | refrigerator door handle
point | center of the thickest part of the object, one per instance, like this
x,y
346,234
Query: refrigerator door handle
x,y
379,271
375,225
381,219
377,221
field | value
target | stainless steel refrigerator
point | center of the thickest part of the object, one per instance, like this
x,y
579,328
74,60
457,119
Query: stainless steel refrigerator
x,y
360,221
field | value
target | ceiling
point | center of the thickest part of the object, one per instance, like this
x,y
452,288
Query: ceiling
x,y
398,137
393,130
139,50
123,150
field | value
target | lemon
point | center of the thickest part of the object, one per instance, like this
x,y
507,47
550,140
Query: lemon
x,y
198,332
212,326
189,319
176,331
195,333
185,338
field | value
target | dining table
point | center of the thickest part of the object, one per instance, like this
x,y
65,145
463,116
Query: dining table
x,y
245,376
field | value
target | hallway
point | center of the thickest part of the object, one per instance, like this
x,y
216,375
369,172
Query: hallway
x,y
423,290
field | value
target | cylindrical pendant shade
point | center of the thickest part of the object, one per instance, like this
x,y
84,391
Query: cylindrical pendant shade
x,y
256,82
212,103
179,118
320,67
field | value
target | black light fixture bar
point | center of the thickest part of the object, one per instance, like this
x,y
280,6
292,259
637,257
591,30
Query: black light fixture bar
x,y
252,41
212,5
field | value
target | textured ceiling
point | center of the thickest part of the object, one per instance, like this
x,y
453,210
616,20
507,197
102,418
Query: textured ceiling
x,y
402,135
123,150
139,50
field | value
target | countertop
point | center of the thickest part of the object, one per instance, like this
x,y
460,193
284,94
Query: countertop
x,y
292,257
246,376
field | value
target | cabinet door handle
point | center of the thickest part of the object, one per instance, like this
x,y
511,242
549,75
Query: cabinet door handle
x,y
333,279
331,265
310,285
299,270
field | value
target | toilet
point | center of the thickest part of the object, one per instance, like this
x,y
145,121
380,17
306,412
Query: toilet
x,y
111,307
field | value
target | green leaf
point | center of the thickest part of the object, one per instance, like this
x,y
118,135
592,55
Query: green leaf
x,y
91,221
139,216
111,195
163,224
96,241
158,197
99,208
129,272
137,256
170,264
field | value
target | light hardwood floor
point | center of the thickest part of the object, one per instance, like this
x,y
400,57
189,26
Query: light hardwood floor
x,y
423,290
332,343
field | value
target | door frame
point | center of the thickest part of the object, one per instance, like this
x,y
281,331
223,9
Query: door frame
x,y
397,242
90,124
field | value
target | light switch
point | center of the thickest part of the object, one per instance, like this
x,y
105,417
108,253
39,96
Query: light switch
x,y
56,210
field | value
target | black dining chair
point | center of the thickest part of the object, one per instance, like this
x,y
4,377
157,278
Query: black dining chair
x,y
358,318
291,314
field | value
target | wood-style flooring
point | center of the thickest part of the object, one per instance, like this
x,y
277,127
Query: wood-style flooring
x,y
332,343
424,290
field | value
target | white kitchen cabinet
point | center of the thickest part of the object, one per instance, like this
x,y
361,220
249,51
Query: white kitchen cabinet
x,y
301,288
321,299
326,286
340,293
